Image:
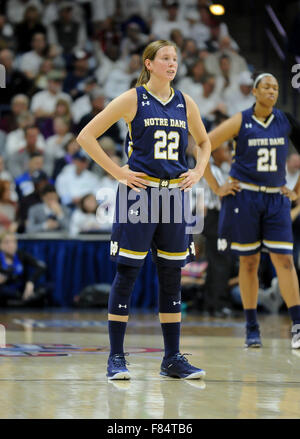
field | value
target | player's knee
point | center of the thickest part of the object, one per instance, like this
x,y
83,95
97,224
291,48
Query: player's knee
x,y
283,261
169,280
169,289
250,263
125,279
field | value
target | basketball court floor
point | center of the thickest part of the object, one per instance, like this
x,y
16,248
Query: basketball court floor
x,y
54,365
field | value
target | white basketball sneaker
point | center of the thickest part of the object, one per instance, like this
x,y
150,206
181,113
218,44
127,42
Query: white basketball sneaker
x,y
296,341
296,336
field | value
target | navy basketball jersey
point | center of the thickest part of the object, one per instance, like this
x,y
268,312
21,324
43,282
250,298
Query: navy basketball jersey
x,y
261,149
158,135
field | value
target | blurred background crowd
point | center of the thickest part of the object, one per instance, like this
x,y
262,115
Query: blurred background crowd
x,y
64,61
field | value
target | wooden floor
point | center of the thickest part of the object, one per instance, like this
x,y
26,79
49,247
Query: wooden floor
x,y
54,366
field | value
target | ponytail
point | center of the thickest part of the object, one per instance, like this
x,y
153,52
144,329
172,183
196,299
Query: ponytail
x,y
144,77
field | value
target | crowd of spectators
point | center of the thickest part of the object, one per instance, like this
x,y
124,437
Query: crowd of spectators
x,y
64,61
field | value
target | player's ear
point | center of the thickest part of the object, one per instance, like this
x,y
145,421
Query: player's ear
x,y
148,64
254,92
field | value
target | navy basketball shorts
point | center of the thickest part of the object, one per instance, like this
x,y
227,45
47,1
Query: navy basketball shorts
x,y
250,221
155,219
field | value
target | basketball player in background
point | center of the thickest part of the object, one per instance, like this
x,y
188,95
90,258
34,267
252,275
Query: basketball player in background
x,y
159,119
258,215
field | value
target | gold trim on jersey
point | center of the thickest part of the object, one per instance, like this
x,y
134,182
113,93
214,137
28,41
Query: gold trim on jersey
x,y
130,130
157,98
264,124
130,143
234,144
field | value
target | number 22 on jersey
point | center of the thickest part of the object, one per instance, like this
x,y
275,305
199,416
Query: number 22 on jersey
x,y
167,144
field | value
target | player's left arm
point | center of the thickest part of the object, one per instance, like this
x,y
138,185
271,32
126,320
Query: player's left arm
x,y
203,146
294,135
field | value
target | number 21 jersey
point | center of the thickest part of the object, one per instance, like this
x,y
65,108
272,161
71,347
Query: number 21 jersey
x,y
261,149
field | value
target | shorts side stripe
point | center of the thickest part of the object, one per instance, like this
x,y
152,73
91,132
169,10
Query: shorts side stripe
x,y
132,254
279,244
245,247
174,256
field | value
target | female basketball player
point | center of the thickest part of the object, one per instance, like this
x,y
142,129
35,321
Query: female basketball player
x,y
259,214
159,119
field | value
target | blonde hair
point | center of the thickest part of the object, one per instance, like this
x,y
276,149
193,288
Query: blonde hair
x,y
150,53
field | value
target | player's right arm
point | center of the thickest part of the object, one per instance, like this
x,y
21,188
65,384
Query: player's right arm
x,y
124,106
225,131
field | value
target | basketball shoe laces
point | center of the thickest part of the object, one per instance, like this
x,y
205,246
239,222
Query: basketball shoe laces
x,y
118,360
180,358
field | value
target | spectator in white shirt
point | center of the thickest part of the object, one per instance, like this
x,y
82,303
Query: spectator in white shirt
x,y
16,140
82,105
102,9
240,98
30,62
189,53
227,80
51,10
16,8
238,63
292,170
76,180
120,79
18,161
134,42
217,33
85,219
199,31
43,103
162,28
191,84
48,216
209,100
130,8
97,104
55,144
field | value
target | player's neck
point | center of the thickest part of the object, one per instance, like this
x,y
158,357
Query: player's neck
x,y
158,88
262,112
